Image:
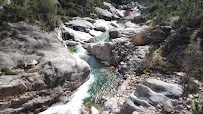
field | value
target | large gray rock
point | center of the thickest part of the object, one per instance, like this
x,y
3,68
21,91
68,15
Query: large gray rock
x,y
70,34
103,51
114,33
129,30
151,93
80,25
167,89
157,35
133,59
38,87
100,28
102,25
144,92
104,14
116,13
129,107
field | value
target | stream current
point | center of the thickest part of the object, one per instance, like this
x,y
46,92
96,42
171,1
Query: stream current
x,y
103,81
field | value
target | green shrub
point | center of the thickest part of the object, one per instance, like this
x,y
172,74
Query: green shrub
x,y
72,13
20,64
15,13
44,28
7,71
3,2
153,8
4,34
197,109
190,50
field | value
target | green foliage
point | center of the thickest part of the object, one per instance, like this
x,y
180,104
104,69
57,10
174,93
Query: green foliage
x,y
4,34
31,11
44,28
190,50
3,2
20,64
161,14
197,109
4,29
15,13
189,11
7,71
75,8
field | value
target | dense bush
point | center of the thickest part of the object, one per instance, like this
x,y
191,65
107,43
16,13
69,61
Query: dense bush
x,y
3,2
7,71
75,8
198,109
20,64
15,13
31,11
189,13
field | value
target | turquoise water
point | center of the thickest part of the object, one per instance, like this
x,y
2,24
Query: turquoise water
x,y
105,78
104,37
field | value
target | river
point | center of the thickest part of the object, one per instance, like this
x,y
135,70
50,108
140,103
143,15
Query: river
x,y
102,82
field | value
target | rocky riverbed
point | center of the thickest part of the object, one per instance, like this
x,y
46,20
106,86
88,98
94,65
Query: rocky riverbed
x,y
39,70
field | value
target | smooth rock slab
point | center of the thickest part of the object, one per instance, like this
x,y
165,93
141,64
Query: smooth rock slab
x,y
104,14
145,93
168,89
129,107
81,25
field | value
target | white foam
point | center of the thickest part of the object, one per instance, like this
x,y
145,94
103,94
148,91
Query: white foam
x,y
80,51
75,103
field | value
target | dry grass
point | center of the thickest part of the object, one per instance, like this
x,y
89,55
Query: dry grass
x,y
138,39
